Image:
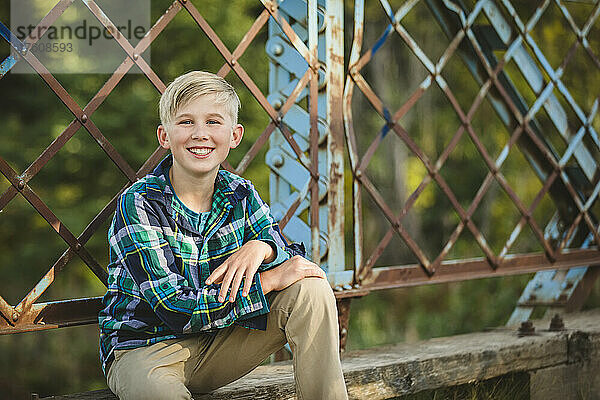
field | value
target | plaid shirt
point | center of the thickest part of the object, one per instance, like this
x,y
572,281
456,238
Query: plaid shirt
x,y
159,263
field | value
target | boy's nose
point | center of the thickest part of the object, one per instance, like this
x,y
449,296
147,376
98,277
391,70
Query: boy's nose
x,y
199,134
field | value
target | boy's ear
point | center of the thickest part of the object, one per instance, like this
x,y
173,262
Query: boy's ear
x,y
163,138
236,137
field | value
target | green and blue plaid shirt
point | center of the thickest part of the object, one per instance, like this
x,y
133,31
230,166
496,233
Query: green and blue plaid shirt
x,y
159,262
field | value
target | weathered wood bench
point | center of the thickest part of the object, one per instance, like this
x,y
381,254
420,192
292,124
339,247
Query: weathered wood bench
x,y
557,363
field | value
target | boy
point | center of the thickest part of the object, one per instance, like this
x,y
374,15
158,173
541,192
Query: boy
x,y
196,259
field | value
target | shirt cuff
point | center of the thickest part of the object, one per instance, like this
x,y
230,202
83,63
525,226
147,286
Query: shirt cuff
x,y
257,288
280,256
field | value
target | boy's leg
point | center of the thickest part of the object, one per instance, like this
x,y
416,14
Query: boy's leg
x,y
156,371
305,315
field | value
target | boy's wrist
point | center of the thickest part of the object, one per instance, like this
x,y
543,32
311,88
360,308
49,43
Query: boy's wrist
x,y
269,254
265,282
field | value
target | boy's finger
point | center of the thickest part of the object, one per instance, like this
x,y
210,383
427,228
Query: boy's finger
x,y
247,283
236,285
225,285
216,274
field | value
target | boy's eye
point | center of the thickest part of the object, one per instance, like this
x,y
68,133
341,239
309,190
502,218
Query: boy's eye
x,y
185,122
212,122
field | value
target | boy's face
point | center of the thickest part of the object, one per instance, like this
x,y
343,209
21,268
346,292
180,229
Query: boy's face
x,y
200,137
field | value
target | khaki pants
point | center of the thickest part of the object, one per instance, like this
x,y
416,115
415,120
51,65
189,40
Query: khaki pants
x,y
304,314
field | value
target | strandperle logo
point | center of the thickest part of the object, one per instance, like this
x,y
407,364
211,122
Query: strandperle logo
x,y
82,32
77,42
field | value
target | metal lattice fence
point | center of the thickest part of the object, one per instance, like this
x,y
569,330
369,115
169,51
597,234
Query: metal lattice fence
x,y
492,41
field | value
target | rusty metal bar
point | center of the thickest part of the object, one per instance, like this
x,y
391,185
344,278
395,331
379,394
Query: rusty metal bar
x,y
314,130
246,40
243,75
460,270
49,152
262,139
334,20
351,140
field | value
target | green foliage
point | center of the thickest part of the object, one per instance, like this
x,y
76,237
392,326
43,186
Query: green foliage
x,y
80,180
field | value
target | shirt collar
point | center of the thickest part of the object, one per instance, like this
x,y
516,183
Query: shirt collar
x,y
230,189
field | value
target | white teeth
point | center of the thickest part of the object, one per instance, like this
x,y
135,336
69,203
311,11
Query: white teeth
x,y
201,152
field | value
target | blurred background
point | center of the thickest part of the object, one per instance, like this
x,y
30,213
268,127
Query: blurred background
x,y
80,179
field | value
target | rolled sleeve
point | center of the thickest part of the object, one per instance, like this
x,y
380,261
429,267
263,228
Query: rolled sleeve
x,y
261,225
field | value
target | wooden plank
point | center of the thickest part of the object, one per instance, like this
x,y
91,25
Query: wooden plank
x,y
392,371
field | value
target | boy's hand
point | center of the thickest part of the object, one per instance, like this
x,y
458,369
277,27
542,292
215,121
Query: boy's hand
x,y
242,264
289,272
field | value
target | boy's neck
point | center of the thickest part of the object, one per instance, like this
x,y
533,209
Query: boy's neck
x,y
195,192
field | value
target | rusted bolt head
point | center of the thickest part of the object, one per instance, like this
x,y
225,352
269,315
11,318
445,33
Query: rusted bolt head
x,y
277,160
277,49
21,184
557,324
526,328
84,118
15,316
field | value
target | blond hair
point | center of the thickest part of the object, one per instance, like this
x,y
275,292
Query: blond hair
x,y
192,85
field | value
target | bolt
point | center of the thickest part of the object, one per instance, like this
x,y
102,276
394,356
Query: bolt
x,y
24,51
78,246
277,160
84,118
279,120
358,174
277,104
233,62
15,316
344,331
526,328
556,324
136,56
277,49
21,184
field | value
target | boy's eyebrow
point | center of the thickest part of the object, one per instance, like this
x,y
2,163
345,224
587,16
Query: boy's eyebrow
x,y
210,115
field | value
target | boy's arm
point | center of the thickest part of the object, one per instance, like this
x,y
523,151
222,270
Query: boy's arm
x,y
261,225
260,230
142,248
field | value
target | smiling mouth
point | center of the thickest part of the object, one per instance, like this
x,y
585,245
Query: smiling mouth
x,y
201,152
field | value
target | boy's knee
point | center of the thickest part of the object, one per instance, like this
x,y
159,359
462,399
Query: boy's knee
x,y
314,290
154,372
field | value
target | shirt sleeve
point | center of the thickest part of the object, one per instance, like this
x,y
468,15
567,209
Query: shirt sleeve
x,y
142,248
260,225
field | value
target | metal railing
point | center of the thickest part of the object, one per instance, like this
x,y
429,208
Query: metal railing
x,y
476,34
